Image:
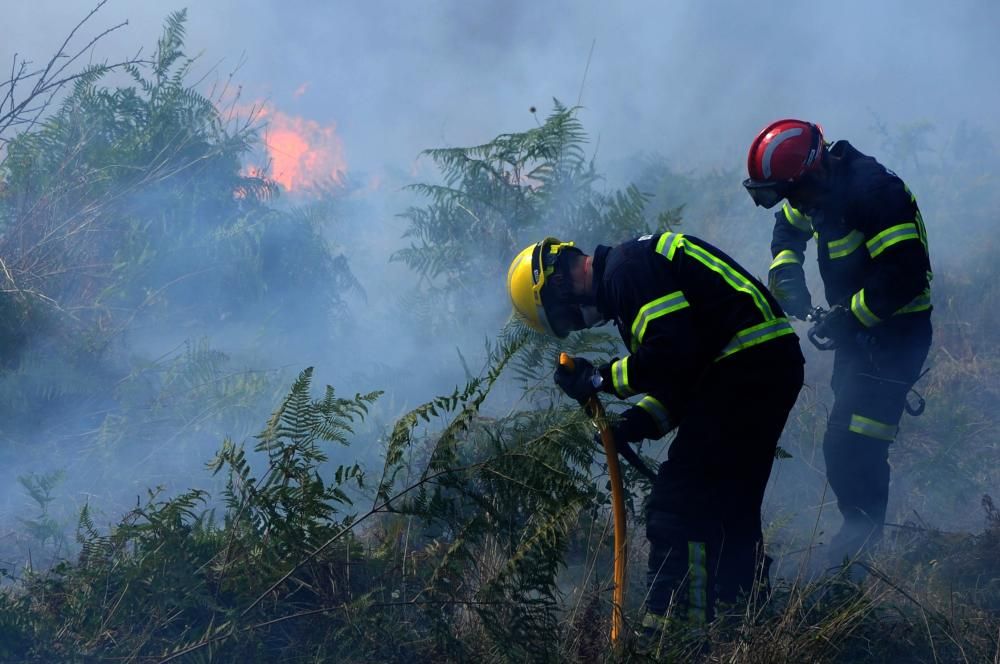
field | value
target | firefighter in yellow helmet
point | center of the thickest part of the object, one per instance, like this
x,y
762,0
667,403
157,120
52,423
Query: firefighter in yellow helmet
x,y
534,272
715,357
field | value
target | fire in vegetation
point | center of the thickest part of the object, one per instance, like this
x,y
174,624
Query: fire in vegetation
x,y
303,155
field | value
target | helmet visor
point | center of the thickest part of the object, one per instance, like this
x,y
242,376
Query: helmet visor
x,y
561,313
766,194
564,318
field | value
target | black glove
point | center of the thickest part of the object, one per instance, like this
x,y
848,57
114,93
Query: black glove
x,y
790,291
581,382
842,326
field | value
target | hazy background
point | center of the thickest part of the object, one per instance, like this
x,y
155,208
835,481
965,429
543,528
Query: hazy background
x,y
691,82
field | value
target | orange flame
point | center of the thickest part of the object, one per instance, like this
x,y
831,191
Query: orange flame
x,y
303,154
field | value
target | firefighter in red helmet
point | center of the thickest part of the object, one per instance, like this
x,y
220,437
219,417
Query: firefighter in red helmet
x,y
874,262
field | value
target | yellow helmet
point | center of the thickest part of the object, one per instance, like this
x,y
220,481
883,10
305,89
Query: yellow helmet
x,y
527,277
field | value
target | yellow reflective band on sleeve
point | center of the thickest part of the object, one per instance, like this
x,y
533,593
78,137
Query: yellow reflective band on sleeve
x,y
785,257
619,378
755,335
921,302
861,311
866,426
668,244
891,236
730,275
845,245
697,583
796,218
922,230
652,405
653,310
919,221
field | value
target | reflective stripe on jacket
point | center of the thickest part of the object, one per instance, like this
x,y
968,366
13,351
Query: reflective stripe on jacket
x,y
680,305
870,237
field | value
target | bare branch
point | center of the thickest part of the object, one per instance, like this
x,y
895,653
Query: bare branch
x,y
62,49
46,82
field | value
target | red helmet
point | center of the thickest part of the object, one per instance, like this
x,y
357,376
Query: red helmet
x,y
783,152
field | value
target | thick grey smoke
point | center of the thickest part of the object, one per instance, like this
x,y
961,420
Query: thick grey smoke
x,y
691,81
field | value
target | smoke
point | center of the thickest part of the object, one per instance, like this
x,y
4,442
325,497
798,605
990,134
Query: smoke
x,y
686,82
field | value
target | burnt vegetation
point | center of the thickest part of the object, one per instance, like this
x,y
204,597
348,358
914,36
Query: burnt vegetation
x,y
473,527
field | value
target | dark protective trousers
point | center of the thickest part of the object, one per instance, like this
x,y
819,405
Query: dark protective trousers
x,y
870,384
703,516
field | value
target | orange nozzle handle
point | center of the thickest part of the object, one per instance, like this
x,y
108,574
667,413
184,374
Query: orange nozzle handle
x,y
566,361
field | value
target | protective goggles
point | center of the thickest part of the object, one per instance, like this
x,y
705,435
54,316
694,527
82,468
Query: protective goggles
x,y
561,314
767,194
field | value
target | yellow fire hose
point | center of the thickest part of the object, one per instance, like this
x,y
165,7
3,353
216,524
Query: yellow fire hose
x,y
596,412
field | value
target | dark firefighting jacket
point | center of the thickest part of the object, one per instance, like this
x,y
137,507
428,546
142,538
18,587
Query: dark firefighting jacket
x,y
870,237
681,306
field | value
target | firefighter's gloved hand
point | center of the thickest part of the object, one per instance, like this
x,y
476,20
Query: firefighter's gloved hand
x,y
791,292
842,326
634,426
581,382
624,432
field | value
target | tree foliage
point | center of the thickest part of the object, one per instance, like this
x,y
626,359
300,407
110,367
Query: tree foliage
x,y
496,198
128,202
124,214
